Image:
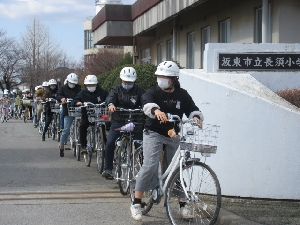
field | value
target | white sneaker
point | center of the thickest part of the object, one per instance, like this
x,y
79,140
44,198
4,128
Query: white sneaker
x,y
136,212
185,213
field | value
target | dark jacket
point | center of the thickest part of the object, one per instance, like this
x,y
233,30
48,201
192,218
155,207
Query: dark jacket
x,y
49,94
178,103
66,92
96,97
128,100
123,99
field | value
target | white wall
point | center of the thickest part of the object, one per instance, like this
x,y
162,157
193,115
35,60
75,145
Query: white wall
x,y
274,80
258,146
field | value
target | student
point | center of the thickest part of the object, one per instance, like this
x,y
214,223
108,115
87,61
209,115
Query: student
x,y
125,95
49,93
92,93
167,97
68,90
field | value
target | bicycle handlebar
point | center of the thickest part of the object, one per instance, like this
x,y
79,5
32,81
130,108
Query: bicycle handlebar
x,y
176,118
128,110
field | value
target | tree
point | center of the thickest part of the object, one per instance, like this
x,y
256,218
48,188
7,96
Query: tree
x,y
104,61
42,55
11,58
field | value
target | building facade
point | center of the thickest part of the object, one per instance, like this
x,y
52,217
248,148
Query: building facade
x,y
90,48
179,29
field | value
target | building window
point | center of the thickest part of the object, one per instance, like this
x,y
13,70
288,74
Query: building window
x,y
146,56
88,39
225,31
258,25
190,50
159,53
170,50
205,38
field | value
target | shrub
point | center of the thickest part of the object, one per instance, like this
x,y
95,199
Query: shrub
x,y
290,95
145,76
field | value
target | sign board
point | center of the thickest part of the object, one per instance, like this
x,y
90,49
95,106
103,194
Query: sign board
x,y
259,61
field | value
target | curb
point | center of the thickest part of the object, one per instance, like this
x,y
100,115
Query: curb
x,y
228,218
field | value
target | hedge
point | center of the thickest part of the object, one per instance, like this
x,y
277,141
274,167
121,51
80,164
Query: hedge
x,y
145,76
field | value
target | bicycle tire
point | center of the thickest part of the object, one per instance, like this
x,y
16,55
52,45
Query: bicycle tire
x,y
100,147
203,187
147,203
53,126
78,152
124,166
58,127
89,147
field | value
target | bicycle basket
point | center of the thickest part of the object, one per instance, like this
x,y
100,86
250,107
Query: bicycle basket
x,y
200,140
27,102
126,117
55,107
74,111
97,113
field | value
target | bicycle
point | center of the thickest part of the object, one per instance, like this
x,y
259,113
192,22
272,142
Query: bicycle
x,y
186,178
97,116
4,111
74,130
54,125
42,120
125,145
26,103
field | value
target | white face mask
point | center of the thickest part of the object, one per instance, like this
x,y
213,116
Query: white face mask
x,y
91,89
71,85
163,83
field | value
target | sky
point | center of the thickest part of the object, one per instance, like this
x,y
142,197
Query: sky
x,y
63,18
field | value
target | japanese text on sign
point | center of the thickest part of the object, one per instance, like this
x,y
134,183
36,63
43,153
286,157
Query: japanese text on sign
x,y
259,61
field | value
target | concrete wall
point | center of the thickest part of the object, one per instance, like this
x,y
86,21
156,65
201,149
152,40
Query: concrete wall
x,y
258,146
274,80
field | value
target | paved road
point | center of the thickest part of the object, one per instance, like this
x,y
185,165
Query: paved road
x,y
39,187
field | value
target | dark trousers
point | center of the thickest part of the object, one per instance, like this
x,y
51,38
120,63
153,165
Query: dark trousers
x,y
49,116
84,124
110,144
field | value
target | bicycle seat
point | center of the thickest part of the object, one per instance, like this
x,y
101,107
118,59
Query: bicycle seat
x,y
127,127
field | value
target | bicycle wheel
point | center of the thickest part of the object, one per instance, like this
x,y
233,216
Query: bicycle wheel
x,y
25,115
137,163
53,127
78,149
2,116
124,166
204,194
59,131
72,138
100,146
89,147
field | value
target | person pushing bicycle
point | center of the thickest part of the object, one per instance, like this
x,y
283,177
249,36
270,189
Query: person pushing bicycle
x,y
68,90
92,93
159,134
49,93
125,95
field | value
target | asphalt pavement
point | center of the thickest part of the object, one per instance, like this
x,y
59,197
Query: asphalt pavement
x,y
39,187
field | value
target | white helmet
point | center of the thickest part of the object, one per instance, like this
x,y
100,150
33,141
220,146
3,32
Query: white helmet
x,y
167,68
90,79
72,78
5,92
52,81
15,91
45,84
128,74
38,87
